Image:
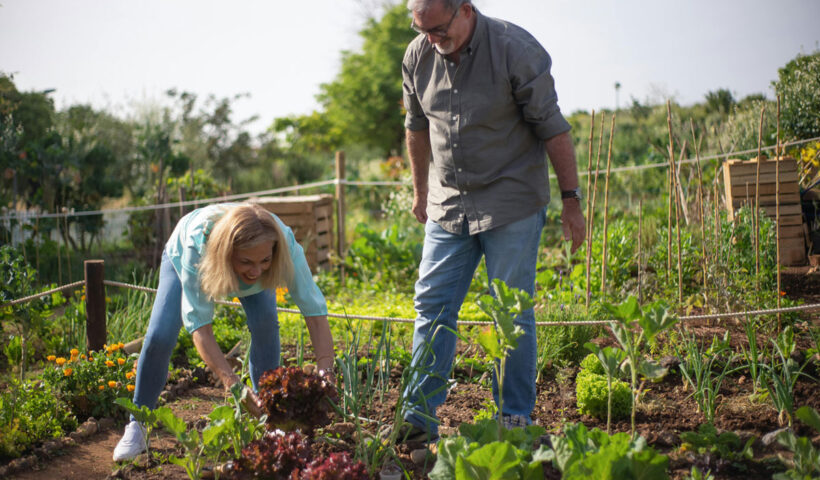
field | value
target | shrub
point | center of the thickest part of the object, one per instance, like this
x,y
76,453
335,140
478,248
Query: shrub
x,y
591,396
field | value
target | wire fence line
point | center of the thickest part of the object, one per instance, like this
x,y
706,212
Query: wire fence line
x,y
716,316
22,215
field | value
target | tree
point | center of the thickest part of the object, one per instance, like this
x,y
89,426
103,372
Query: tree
x,y
798,86
720,101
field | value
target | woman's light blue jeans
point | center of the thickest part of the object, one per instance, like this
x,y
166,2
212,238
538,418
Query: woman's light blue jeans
x,y
446,270
166,322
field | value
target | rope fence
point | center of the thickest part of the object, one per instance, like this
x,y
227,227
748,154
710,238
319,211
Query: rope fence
x,y
20,215
716,316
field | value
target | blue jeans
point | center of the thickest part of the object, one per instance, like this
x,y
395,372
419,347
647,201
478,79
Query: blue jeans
x,y
166,322
446,270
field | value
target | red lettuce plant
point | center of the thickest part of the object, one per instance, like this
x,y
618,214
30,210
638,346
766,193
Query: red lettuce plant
x,y
336,466
274,457
294,399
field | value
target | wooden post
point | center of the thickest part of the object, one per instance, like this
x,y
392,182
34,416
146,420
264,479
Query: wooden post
x,y
95,304
340,208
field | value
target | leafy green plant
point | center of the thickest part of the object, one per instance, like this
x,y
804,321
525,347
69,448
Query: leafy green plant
x,y
502,307
636,329
601,397
752,355
805,462
726,445
698,368
562,345
479,453
608,360
31,412
581,453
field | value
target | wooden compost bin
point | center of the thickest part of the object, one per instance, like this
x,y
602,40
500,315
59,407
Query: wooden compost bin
x,y
311,219
740,180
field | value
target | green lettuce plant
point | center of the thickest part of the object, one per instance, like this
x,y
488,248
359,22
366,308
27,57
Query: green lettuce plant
x,y
608,361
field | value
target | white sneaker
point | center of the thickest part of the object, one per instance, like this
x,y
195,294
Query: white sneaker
x,y
132,442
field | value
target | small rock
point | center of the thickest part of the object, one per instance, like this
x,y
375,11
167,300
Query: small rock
x,y
51,445
88,428
3,471
166,396
771,437
669,362
741,380
342,429
420,455
308,368
142,460
667,439
76,436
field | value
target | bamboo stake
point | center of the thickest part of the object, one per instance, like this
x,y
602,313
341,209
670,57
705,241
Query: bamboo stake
x,y
589,206
606,205
777,209
696,143
595,181
677,222
757,202
670,185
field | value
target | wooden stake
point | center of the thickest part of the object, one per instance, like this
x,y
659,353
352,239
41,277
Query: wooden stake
x,y
671,186
757,202
589,206
677,223
696,143
777,210
640,250
595,181
340,211
606,205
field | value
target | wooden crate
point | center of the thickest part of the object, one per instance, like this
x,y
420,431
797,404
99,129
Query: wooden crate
x,y
311,218
740,181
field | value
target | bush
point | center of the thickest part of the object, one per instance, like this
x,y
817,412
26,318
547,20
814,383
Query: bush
x,y
591,396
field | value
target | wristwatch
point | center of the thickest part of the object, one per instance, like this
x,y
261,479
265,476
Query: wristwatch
x,y
574,193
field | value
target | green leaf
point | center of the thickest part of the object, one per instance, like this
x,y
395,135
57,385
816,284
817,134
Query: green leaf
x,y
449,449
171,422
494,461
809,416
488,340
651,369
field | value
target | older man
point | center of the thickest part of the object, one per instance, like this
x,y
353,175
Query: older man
x,y
482,115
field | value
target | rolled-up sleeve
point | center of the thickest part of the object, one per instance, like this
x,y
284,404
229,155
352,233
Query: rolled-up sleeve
x,y
414,119
303,290
534,90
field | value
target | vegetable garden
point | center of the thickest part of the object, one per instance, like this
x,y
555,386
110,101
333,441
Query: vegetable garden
x,y
673,344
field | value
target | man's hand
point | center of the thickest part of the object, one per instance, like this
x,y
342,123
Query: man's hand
x,y
420,208
572,221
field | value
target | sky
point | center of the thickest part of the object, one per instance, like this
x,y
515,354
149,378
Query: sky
x,y
118,54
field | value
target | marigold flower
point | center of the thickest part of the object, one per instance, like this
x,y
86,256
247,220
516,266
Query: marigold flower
x,y
120,361
67,372
235,299
74,352
120,346
51,358
130,387
60,361
109,363
101,387
130,375
112,384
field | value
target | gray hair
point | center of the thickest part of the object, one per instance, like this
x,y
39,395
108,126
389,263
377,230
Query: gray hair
x,y
422,5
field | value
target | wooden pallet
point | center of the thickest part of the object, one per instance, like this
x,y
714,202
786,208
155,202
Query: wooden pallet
x,y
740,179
311,218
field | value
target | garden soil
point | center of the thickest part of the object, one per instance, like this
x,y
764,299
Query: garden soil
x,y
665,412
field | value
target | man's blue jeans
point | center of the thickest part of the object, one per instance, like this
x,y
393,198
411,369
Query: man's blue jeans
x,y
166,322
446,270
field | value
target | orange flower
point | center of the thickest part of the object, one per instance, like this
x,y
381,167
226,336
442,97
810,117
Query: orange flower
x,y
280,294
120,361
101,387
112,384
130,388
120,346
67,372
74,352
51,358
60,361
109,363
130,375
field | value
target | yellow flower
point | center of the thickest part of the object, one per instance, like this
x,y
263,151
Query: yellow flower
x,y
112,384
120,361
51,358
109,363
101,387
280,294
67,372
235,299
60,361
130,375
120,346
74,352
130,388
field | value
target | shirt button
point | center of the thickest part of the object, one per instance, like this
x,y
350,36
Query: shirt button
x,y
455,145
455,117
455,90
459,169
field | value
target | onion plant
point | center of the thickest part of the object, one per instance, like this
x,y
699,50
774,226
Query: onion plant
x,y
752,356
699,369
782,374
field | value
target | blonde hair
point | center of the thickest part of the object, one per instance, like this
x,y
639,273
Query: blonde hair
x,y
242,226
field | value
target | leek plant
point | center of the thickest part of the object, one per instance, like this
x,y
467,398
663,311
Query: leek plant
x,y
698,368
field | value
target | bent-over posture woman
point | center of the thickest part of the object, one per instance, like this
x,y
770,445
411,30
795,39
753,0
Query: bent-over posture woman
x,y
229,249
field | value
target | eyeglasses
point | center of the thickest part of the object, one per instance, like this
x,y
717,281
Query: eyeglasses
x,y
438,31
